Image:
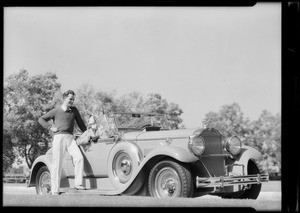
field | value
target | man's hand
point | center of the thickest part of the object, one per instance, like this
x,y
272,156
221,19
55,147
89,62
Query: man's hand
x,y
95,138
53,129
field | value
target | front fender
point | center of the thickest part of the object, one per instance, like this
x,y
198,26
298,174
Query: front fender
x,y
43,160
178,153
248,153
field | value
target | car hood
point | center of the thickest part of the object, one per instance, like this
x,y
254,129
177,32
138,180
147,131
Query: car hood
x,y
178,133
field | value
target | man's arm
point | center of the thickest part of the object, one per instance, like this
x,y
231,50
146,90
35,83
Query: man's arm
x,y
79,120
43,120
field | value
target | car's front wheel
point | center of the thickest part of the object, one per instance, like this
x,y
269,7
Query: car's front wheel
x,y
43,181
169,178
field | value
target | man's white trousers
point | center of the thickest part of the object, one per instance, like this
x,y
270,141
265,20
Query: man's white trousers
x,y
62,143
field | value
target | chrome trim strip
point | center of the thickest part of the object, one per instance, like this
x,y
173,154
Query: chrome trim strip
x,y
215,155
88,176
157,139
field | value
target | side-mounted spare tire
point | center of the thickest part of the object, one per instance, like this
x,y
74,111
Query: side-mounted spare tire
x,y
123,163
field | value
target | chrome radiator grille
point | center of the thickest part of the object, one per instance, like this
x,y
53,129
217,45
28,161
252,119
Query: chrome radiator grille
x,y
213,146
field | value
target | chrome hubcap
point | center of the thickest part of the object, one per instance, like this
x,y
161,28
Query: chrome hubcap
x,y
170,186
167,183
126,166
122,167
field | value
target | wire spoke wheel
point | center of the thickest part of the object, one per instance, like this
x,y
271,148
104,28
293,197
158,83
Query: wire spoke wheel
x,y
43,181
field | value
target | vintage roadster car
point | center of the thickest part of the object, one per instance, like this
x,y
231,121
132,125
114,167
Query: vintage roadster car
x,y
133,157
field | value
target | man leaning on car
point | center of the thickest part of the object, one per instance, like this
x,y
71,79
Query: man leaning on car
x,y
63,118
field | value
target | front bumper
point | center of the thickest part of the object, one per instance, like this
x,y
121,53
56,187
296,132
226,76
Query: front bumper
x,y
202,182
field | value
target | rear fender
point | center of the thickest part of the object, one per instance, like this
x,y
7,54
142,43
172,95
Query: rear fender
x,y
43,160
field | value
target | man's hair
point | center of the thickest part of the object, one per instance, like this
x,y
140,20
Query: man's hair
x,y
67,93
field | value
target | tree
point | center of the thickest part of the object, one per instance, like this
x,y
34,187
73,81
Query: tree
x,y
155,103
229,121
8,152
265,134
92,102
25,100
131,102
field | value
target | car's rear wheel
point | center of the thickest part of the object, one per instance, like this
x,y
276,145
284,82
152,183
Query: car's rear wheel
x,y
252,191
43,181
170,179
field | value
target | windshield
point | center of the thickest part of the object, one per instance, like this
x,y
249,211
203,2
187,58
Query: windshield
x,y
132,120
106,124
117,121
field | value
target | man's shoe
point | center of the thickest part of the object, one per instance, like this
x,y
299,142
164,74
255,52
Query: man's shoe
x,y
80,188
55,193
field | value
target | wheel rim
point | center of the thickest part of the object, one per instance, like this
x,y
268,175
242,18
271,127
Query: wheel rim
x,y
45,183
167,183
122,167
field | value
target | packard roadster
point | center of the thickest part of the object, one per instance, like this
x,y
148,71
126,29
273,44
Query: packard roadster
x,y
136,156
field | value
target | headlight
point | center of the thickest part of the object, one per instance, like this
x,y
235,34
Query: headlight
x,y
196,144
233,145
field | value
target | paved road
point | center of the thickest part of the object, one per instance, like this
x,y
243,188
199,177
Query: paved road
x,y
19,195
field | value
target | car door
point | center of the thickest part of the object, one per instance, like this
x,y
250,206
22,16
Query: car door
x,y
95,156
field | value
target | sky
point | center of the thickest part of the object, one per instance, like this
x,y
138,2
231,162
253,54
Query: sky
x,y
200,58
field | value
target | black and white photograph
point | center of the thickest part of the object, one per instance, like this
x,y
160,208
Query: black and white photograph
x,y
143,106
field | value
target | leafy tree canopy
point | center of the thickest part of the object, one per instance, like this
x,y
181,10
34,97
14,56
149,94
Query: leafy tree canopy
x,y
229,120
26,98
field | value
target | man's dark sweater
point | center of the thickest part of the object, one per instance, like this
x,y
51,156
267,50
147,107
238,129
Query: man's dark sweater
x,y
63,120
